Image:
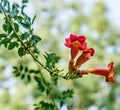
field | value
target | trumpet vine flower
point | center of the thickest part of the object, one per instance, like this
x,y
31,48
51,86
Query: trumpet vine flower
x,y
76,43
107,72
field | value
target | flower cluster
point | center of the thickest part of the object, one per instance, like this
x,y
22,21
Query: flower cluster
x,y
78,44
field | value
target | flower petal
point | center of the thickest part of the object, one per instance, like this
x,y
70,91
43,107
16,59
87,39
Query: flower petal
x,y
110,79
83,46
89,50
73,37
81,38
68,42
111,69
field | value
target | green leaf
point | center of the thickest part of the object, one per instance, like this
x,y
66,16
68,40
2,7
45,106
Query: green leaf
x,y
62,103
70,107
4,27
17,73
5,41
34,71
12,35
22,9
68,93
36,38
7,28
41,85
51,60
47,106
16,26
24,1
13,13
0,7
26,77
55,80
31,31
5,2
20,51
15,6
19,18
3,35
25,25
8,6
26,69
25,35
37,108
15,68
22,76
12,45
27,19
21,67
33,19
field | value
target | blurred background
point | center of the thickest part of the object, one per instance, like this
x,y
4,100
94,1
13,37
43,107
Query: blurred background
x,y
98,20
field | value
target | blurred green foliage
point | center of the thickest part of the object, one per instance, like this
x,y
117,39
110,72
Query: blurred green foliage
x,y
54,22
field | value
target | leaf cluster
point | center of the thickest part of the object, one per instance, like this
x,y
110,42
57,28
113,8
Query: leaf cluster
x,y
24,72
51,60
12,37
60,100
64,96
43,85
42,105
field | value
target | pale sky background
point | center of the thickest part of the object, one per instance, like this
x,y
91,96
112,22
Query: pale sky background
x,y
114,6
113,9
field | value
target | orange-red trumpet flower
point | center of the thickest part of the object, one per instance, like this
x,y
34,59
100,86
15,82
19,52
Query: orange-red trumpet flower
x,y
76,43
107,72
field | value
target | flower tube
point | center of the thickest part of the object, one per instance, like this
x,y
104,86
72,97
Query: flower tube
x,y
107,72
85,56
